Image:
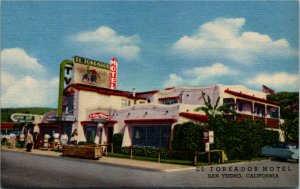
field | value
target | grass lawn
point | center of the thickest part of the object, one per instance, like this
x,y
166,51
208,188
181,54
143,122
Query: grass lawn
x,y
180,162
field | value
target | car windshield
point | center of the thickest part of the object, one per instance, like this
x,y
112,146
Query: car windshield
x,y
293,146
286,145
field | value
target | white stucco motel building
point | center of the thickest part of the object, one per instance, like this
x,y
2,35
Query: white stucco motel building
x,y
90,102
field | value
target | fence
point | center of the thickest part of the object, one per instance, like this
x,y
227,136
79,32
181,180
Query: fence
x,y
160,153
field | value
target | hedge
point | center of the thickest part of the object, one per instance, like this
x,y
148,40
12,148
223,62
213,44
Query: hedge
x,y
188,137
239,140
117,140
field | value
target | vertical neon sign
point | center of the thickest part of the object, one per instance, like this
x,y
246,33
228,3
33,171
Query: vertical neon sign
x,y
113,73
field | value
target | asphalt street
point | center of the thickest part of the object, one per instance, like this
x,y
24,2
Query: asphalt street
x,y
21,170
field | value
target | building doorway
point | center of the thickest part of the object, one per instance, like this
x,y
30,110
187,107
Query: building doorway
x,y
110,132
90,133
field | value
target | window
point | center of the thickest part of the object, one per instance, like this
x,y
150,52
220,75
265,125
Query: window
x,y
259,109
50,130
244,105
273,111
67,128
239,105
70,105
90,133
229,103
141,102
151,135
125,103
169,102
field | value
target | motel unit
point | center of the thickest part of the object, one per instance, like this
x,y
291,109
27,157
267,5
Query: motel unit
x,y
90,102
148,118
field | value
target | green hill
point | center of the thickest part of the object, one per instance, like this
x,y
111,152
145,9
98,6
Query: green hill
x,y
6,112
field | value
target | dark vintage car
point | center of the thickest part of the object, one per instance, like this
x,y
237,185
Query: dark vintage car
x,y
285,151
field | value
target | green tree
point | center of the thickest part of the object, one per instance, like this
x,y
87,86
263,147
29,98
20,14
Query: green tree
x,y
289,111
188,137
290,128
216,120
215,111
239,140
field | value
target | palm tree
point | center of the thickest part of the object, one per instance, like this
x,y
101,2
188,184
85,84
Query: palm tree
x,y
214,111
216,121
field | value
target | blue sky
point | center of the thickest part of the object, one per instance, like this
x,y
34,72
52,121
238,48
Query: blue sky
x,y
158,44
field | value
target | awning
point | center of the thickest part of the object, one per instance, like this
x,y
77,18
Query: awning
x,y
169,98
197,117
96,122
61,119
7,125
155,120
52,124
88,123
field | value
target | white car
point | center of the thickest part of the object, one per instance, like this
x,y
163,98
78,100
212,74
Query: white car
x,y
286,151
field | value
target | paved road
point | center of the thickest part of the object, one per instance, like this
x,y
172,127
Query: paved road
x,y
28,170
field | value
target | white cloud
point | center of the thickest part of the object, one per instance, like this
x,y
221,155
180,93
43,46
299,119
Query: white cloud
x,y
17,59
23,81
107,40
199,75
281,81
30,92
223,38
173,80
6,81
210,71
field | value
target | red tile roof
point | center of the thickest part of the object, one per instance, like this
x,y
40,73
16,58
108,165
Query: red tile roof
x,y
91,122
170,98
197,117
147,92
155,120
7,125
101,90
240,94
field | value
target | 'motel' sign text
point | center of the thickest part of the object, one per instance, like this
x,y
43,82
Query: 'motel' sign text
x,y
113,73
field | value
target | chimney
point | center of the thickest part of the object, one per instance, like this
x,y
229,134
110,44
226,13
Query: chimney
x,y
133,92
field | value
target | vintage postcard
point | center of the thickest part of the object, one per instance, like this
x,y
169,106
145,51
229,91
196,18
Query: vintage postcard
x,y
150,94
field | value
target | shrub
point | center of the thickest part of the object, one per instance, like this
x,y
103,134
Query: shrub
x,y
4,140
117,139
188,137
214,157
117,142
241,140
91,138
147,151
85,143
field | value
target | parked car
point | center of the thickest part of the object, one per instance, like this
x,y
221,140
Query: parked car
x,y
5,136
285,150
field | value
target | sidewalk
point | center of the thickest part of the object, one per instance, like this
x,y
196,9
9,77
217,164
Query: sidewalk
x,y
136,164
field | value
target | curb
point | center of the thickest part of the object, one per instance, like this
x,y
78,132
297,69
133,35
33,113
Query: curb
x,y
100,162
